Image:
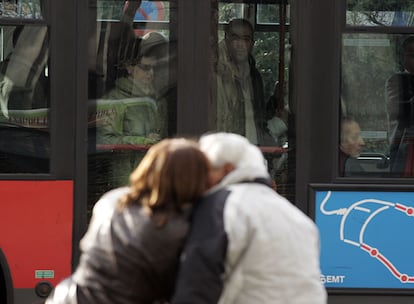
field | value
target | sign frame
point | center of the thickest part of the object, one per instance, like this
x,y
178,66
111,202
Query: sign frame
x,y
333,283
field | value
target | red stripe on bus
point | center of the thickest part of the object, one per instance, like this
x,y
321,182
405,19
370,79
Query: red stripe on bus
x,y
36,230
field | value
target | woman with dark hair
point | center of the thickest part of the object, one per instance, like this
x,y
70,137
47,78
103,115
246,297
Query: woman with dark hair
x,y
131,249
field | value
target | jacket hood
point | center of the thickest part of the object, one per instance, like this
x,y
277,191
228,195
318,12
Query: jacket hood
x,y
247,174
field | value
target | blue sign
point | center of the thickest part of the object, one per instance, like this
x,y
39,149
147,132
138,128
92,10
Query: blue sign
x,y
367,238
150,10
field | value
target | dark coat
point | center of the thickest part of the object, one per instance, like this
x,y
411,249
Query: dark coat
x,y
400,93
125,257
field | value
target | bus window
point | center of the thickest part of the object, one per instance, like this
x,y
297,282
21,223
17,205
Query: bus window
x,y
132,88
376,129
377,92
250,75
380,13
27,9
24,99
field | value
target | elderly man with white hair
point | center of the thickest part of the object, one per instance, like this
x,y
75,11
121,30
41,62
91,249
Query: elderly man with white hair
x,y
247,244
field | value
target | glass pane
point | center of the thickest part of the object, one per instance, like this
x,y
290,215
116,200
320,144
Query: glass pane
x,y
132,87
230,11
24,99
30,9
270,14
377,91
380,13
249,91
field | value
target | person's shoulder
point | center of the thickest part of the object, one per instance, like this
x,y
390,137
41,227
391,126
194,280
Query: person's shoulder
x,y
215,198
243,195
264,198
122,89
248,186
116,192
109,199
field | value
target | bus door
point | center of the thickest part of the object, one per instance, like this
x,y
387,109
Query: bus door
x,y
128,113
359,181
132,87
36,198
250,92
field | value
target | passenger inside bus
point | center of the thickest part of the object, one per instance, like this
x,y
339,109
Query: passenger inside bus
x,y
133,112
350,148
400,108
140,116
241,107
277,118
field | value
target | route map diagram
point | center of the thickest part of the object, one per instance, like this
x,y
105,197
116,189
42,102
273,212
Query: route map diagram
x,y
367,238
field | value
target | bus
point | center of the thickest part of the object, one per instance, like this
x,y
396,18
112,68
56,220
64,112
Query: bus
x,y
86,87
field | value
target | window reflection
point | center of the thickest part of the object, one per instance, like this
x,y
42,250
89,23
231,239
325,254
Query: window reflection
x,y
400,109
140,111
378,91
30,9
380,13
132,87
250,73
229,11
270,14
240,95
24,99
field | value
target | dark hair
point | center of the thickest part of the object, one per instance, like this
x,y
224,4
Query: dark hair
x,y
407,42
402,49
238,22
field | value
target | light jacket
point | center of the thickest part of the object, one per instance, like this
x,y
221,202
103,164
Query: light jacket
x,y
125,121
249,245
230,104
130,115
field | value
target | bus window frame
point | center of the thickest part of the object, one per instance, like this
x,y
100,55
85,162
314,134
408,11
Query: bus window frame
x,y
352,29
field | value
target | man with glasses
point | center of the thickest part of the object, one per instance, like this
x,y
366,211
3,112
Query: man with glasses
x,y
240,94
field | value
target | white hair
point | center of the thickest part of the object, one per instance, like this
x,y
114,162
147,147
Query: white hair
x,y
222,148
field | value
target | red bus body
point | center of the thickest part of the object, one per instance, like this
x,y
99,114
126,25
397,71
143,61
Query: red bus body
x,y
35,235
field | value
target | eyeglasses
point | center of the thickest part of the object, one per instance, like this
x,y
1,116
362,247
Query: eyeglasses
x,y
145,67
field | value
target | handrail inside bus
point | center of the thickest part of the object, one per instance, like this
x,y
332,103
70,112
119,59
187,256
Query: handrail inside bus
x,y
133,147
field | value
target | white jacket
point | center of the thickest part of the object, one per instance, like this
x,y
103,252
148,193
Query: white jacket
x,y
249,245
273,250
